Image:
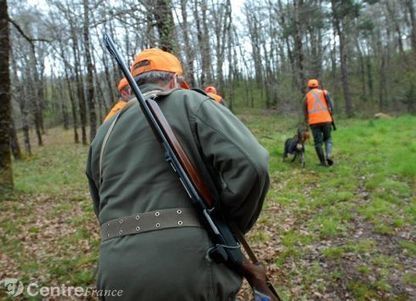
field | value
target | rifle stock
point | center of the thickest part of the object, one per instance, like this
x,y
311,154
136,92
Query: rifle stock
x,y
226,249
182,156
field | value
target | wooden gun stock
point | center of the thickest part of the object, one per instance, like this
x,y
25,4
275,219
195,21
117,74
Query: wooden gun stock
x,y
182,156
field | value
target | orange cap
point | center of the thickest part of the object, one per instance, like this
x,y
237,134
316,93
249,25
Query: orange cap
x,y
313,83
155,59
211,89
122,84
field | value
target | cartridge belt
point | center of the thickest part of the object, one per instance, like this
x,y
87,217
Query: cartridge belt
x,y
149,221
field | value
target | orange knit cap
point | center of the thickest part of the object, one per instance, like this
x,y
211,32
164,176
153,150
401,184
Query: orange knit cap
x,y
211,89
313,83
155,59
122,84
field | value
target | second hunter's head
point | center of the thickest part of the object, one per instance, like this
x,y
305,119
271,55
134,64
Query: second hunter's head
x,y
155,66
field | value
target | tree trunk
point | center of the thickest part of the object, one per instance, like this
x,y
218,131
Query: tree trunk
x,y
25,119
71,99
410,7
298,5
254,32
102,108
41,94
109,81
162,11
90,75
14,142
338,23
382,84
203,41
6,171
282,15
221,35
109,77
64,108
231,68
189,50
100,94
19,93
344,74
362,70
67,68
393,17
80,88
37,112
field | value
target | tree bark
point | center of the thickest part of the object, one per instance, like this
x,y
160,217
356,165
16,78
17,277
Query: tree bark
x,y
298,6
14,142
282,18
6,171
162,11
362,70
80,87
38,93
254,32
60,95
203,41
393,18
90,75
410,7
221,35
19,93
25,116
189,50
67,67
338,24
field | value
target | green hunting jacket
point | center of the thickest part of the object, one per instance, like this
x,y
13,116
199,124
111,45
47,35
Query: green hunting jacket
x,y
172,264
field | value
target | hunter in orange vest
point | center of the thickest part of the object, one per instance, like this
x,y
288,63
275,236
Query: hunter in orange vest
x,y
318,111
124,89
212,92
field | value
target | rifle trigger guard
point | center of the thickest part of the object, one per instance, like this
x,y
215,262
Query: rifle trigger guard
x,y
217,254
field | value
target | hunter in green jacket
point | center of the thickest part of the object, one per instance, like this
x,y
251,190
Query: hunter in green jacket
x,y
153,247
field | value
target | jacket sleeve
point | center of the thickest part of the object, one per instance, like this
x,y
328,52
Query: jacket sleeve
x,y
239,161
329,101
92,186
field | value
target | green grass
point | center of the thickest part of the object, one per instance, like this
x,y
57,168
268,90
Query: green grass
x,y
409,246
58,166
369,194
337,232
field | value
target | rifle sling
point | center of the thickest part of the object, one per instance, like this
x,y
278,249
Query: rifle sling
x,y
131,102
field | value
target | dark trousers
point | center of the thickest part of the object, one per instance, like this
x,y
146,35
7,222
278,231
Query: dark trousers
x,y
321,134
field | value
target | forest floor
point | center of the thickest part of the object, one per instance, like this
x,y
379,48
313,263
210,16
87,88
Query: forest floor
x,y
342,233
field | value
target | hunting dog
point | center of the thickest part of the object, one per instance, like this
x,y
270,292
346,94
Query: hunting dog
x,y
296,145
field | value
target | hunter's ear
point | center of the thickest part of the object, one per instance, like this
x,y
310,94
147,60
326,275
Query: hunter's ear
x,y
173,82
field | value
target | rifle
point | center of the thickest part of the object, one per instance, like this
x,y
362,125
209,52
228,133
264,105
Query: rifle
x,y
226,247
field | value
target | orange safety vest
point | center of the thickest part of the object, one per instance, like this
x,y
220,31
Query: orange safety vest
x,y
115,109
217,98
318,111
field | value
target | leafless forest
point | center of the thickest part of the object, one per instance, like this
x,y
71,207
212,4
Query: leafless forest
x,y
257,53
340,233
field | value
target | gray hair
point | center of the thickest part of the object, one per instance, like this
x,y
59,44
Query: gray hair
x,y
154,77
